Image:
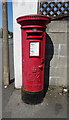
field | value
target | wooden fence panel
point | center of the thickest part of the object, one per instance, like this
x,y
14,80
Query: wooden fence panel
x,y
54,9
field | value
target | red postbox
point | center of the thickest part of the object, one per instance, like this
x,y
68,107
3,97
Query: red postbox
x,y
33,56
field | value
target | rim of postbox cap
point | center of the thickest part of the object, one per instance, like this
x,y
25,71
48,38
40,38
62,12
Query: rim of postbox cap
x,y
33,17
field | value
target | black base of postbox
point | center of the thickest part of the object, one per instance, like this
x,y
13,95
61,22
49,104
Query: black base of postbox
x,y
32,97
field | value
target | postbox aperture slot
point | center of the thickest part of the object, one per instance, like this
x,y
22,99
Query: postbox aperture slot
x,y
34,48
33,34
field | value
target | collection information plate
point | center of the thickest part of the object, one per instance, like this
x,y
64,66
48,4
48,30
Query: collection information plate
x,y
34,48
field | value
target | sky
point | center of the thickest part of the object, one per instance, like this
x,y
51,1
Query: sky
x,y
10,16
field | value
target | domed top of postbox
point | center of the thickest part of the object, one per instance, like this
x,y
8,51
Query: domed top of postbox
x,y
33,20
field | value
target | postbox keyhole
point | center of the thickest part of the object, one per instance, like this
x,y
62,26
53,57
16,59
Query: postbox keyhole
x,y
40,67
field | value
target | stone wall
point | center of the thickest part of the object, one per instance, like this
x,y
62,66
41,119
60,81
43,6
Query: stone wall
x,y
57,31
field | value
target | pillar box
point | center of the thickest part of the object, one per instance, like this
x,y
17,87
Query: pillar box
x,y
33,31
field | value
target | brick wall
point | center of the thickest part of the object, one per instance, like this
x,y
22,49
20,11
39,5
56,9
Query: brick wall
x,y
57,31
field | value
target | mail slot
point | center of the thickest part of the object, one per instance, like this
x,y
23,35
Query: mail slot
x,y
33,29
34,35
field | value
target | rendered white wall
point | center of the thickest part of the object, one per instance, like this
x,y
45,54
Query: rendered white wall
x,y
20,8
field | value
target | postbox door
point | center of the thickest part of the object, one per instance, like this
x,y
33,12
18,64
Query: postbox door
x,y
37,64
33,65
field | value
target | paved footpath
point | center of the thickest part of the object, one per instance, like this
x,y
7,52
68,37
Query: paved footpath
x,y
54,104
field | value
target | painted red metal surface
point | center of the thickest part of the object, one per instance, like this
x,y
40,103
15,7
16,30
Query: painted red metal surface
x,y
33,33
34,20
